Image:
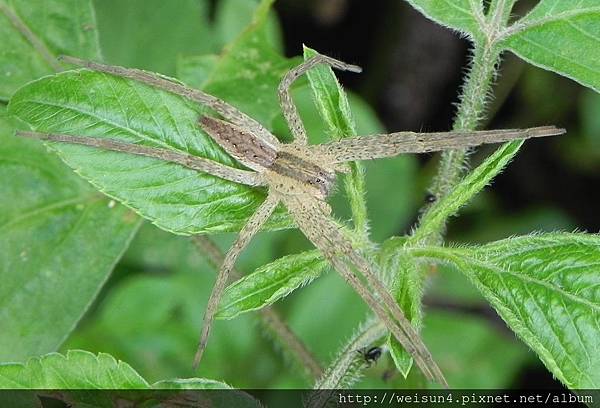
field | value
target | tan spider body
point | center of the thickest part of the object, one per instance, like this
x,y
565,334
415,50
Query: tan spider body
x,y
301,177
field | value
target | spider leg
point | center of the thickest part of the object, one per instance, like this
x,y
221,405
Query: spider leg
x,y
249,178
325,235
248,231
388,145
290,112
228,111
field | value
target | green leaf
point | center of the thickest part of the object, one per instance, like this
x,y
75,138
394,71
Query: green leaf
x,y
81,370
176,199
560,36
545,287
76,370
152,34
34,32
59,242
270,283
461,15
53,227
475,181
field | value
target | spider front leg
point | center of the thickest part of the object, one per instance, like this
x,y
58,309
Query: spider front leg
x,y
250,229
290,112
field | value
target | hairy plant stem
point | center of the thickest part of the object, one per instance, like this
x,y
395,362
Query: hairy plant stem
x,y
470,114
290,345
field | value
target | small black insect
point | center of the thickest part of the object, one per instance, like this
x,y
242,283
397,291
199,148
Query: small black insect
x,y
371,355
430,198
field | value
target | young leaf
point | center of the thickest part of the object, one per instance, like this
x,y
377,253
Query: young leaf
x,y
465,16
545,287
270,283
34,32
561,36
476,180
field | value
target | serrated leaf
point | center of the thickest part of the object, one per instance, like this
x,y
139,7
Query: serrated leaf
x,y
34,32
79,370
460,15
476,180
561,36
270,283
546,288
76,370
176,199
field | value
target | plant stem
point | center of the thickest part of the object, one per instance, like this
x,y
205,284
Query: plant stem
x,y
290,344
473,102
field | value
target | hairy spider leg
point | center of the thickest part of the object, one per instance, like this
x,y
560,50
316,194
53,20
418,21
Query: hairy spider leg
x,y
256,221
290,112
216,169
388,145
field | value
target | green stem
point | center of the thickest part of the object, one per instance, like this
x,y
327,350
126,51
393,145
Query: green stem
x,y
471,109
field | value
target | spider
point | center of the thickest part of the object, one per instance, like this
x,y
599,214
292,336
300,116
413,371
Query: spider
x,y
299,176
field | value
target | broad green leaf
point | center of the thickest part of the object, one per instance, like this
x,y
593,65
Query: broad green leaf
x,y
464,16
53,226
34,32
270,283
79,370
76,370
476,180
561,36
152,34
56,254
176,199
545,287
